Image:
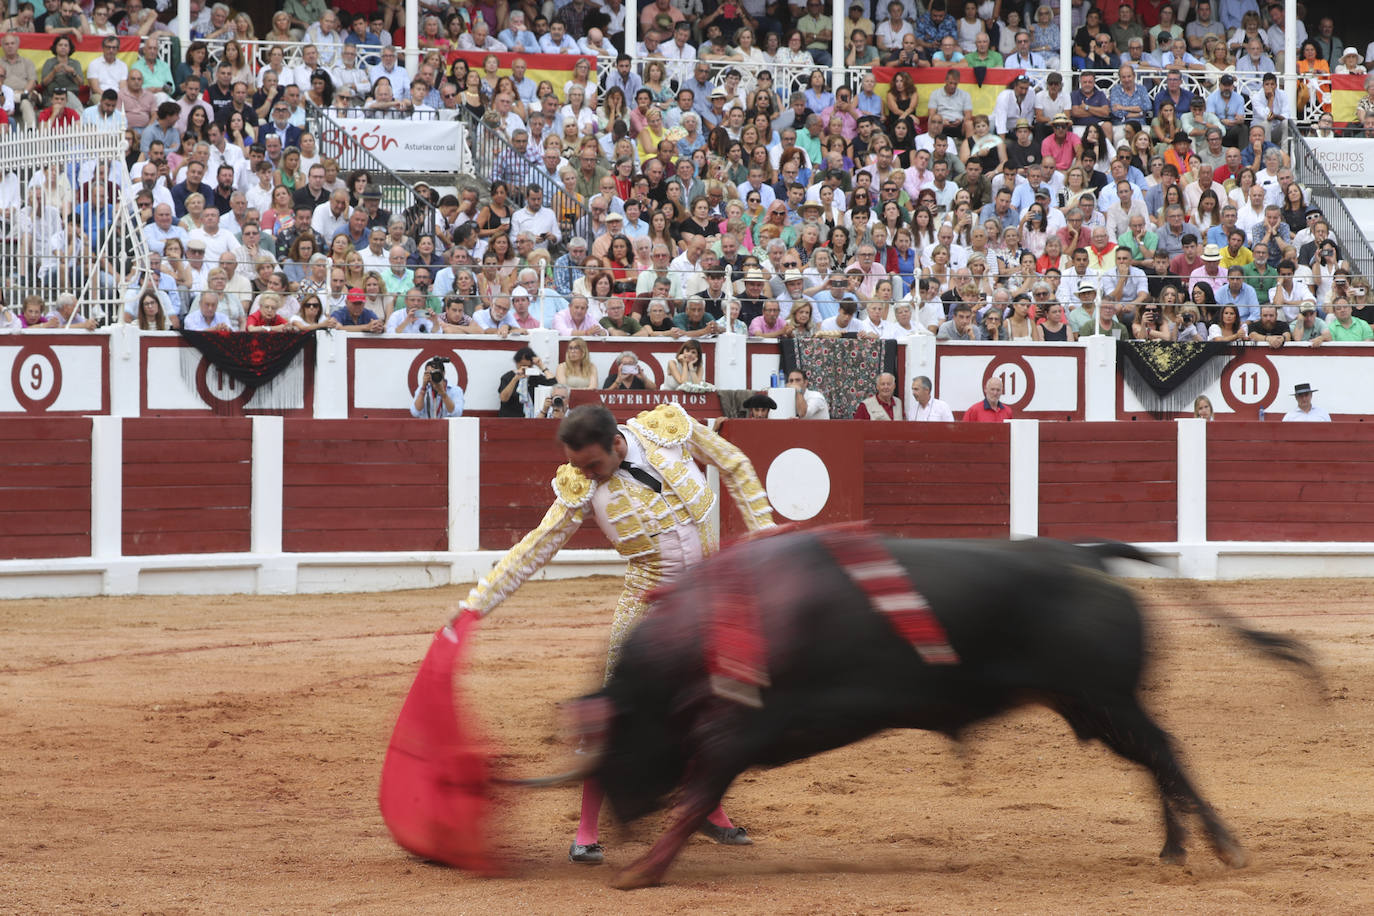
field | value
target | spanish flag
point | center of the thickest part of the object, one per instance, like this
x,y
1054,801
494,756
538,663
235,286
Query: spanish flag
x,y
556,68
38,48
1346,91
982,84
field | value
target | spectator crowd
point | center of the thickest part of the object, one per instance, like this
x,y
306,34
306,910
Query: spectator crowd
x,y
699,192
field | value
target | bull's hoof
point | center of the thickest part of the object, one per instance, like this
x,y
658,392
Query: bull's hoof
x,y
1175,855
727,836
586,854
634,878
1233,854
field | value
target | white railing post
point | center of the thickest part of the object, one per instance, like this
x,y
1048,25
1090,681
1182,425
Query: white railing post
x,y
1192,481
838,12
1099,379
1025,479
732,363
1290,56
184,24
265,512
632,11
413,35
464,483
920,360
107,487
1066,43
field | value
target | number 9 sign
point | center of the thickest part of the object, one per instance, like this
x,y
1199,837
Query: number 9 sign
x,y
1018,379
36,378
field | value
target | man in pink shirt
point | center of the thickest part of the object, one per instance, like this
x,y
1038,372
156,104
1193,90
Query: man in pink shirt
x,y
770,323
574,320
520,309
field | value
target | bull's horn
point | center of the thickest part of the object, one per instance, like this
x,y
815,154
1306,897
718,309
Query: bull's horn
x,y
587,719
546,782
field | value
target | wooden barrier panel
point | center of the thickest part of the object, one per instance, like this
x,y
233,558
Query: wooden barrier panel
x,y
1109,481
365,486
519,458
936,480
45,488
1289,481
187,486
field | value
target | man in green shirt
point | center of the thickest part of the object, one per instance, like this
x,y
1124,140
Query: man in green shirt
x,y
157,76
1259,273
816,29
1346,328
617,323
982,55
694,320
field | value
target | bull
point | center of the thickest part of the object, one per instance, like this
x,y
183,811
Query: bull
x,y
1031,622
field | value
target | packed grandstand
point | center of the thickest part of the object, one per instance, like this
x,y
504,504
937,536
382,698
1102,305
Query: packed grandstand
x,y
961,172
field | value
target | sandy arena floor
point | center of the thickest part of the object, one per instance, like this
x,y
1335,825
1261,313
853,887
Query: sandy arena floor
x,y
220,755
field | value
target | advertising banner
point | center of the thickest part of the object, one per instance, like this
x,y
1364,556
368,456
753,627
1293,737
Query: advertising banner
x,y
403,145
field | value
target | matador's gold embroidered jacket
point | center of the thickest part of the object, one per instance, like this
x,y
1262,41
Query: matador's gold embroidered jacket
x,y
628,512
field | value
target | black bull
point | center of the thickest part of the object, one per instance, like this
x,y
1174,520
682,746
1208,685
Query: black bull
x,y
1031,621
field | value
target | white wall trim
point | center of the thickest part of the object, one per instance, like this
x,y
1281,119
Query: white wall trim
x,y
107,486
1025,479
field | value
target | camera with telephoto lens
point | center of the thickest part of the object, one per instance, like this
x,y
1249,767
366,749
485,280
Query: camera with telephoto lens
x,y
435,373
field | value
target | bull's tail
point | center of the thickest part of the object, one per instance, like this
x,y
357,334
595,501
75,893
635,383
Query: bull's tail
x,y
1283,648
1118,550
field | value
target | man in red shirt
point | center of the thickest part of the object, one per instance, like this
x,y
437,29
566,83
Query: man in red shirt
x,y
58,114
882,406
990,409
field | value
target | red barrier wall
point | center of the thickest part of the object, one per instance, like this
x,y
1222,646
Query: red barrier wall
x,y
1109,480
937,480
519,458
187,486
45,488
1310,486
373,485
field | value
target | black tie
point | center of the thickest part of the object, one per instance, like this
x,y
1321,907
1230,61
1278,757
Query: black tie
x,y
643,476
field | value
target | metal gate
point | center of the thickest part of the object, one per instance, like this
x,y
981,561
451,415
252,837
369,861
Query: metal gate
x,y
67,221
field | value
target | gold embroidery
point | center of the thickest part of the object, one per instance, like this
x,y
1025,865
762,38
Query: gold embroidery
x,y
666,424
572,487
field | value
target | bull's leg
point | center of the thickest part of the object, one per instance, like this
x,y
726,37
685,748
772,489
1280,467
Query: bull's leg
x,y
1127,729
650,868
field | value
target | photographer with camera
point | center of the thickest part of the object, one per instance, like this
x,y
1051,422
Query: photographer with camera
x,y
628,374
436,398
556,404
517,387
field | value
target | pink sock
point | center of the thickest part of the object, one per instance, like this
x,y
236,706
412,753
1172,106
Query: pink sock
x,y
591,811
718,818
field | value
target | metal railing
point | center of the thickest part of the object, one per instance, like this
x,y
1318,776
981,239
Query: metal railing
x,y
495,159
1308,171
399,196
67,223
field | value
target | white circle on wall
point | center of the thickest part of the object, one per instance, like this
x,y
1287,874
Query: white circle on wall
x,y
798,484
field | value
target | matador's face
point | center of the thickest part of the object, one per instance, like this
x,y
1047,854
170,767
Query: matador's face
x,y
595,461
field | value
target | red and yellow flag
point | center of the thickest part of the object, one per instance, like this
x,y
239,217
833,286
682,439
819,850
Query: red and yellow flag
x,y
38,48
1346,91
556,68
930,79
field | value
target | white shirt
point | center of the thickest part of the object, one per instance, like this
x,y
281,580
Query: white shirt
x,y
107,76
326,223
934,411
1315,415
215,245
400,79
816,407
536,224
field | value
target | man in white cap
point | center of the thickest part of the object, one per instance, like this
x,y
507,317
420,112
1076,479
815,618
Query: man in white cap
x,y
1306,413
615,224
1210,272
1082,315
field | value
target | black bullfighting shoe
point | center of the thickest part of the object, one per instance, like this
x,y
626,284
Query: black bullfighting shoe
x,y
727,836
590,854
